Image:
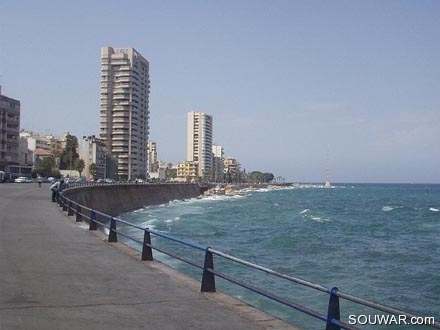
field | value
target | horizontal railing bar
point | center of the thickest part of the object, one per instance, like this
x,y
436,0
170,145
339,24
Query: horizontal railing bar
x,y
269,295
270,271
188,261
102,224
129,224
316,286
100,213
137,241
178,240
282,300
125,235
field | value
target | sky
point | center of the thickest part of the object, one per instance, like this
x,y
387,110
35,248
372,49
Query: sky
x,y
345,90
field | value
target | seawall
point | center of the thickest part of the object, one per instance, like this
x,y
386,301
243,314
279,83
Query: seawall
x,y
117,199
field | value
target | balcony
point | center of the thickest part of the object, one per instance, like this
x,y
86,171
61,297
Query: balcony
x,y
121,126
119,150
120,112
119,140
121,97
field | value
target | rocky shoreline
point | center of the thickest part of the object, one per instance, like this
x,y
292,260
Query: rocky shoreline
x,y
238,189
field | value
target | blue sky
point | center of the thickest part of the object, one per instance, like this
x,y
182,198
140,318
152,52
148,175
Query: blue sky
x,y
296,88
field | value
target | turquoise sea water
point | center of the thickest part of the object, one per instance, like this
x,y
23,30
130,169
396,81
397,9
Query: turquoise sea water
x,y
378,242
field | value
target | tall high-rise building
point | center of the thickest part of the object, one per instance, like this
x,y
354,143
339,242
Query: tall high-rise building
x,y
124,111
200,142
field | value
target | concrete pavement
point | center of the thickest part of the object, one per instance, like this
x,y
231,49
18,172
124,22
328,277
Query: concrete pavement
x,y
56,274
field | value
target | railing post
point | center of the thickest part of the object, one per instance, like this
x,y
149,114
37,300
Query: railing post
x,y
333,312
208,279
112,236
78,214
92,224
147,252
70,209
62,202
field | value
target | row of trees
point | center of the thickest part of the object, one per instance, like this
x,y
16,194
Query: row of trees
x,y
259,177
252,177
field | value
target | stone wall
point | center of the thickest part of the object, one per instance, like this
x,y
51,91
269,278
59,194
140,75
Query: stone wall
x,y
117,199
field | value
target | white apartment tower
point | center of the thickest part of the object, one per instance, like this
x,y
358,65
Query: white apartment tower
x,y
124,112
200,142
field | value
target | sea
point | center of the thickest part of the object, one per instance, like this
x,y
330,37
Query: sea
x,y
379,242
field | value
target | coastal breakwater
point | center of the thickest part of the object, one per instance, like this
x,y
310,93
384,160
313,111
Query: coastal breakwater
x,y
117,199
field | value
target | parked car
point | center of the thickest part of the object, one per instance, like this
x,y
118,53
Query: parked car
x,y
23,179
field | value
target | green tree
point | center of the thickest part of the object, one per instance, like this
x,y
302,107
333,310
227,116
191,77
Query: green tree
x,y
46,167
255,177
79,165
93,169
68,155
267,177
259,177
171,173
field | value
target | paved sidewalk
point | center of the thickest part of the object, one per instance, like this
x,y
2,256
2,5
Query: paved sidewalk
x,y
55,274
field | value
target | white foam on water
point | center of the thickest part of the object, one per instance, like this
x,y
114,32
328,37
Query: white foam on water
x,y
319,219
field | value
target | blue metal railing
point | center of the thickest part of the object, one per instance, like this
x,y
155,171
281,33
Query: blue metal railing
x,y
332,318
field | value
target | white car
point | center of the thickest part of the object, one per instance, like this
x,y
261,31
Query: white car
x,y
22,179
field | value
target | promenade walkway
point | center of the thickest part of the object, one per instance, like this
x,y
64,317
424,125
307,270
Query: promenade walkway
x,y
56,274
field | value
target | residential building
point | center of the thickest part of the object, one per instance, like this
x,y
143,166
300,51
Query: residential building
x,y
153,163
187,171
9,135
217,163
124,110
37,146
160,174
231,170
26,154
93,151
199,149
